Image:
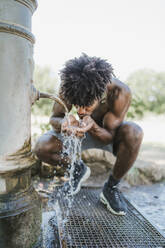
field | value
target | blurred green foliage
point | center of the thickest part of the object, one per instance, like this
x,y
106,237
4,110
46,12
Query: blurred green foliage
x,y
148,92
136,110
147,86
44,81
45,127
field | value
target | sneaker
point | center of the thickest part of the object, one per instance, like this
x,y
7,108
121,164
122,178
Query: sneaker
x,y
80,175
114,200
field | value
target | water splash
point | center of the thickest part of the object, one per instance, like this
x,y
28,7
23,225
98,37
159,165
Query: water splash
x,y
71,147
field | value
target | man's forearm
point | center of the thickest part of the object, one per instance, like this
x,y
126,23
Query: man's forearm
x,y
101,133
56,123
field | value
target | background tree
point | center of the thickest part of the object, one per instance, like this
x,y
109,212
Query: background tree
x,y
44,81
147,86
148,90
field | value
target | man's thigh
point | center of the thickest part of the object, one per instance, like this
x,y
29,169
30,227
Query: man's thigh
x,y
90,142
51,137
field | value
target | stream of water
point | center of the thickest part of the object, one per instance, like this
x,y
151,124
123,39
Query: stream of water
x,y
71,147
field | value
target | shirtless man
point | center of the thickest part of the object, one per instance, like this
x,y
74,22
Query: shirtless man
x,y
102,102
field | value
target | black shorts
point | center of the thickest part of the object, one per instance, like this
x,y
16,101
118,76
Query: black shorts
x,y
88,142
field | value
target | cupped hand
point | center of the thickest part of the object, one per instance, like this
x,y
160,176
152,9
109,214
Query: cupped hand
x,y
71,126
69,123
85,125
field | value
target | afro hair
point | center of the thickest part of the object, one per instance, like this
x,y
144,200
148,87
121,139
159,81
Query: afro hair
x,y
84,79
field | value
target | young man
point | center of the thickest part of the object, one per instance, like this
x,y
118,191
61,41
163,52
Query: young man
x,y
102,102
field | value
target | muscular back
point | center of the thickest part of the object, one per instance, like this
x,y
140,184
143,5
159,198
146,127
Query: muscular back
x,y
115,103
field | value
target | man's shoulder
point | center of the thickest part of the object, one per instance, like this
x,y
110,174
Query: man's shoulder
x,y
117,93
116,83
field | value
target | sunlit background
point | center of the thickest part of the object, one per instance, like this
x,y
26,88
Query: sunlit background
x,y
130,34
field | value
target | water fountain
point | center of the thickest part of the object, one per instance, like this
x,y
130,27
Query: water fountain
x,y
20,207
88,223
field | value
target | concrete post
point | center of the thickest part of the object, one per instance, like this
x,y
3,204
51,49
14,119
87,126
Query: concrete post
x,y
20,209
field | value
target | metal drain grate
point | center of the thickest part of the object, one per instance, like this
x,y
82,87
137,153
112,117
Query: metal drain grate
x,y
91,225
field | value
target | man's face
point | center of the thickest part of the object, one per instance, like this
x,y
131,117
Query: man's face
x,y
83,111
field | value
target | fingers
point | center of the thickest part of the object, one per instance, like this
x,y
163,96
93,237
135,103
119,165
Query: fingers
x,y
80,135
69,122
78,132
82,124
63,128
75,127
84,129
69,130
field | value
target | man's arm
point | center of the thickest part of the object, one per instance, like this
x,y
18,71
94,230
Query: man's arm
x,y
118,99
58,115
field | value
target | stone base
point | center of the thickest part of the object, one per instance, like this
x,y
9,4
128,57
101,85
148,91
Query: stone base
x,y
101,164
145,172
20,211
22,230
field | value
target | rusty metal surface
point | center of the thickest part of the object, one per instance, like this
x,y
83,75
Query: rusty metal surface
x,y
91,225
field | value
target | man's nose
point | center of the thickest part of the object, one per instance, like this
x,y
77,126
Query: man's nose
x,y
81,111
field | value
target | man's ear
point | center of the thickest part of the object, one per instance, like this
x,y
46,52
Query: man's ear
x,y
116,92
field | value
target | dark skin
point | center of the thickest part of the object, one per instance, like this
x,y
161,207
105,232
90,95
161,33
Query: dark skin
x,y
104,120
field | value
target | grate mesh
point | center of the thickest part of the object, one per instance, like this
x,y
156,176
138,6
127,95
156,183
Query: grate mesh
x,y
91,225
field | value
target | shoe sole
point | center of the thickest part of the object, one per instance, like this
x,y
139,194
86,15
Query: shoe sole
x,y
83,179
105,202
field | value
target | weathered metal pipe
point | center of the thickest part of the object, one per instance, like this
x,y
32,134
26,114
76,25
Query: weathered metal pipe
x,y
20,207
55,98
36,95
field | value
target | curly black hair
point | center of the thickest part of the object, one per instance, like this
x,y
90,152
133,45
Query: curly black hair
x,y
84,79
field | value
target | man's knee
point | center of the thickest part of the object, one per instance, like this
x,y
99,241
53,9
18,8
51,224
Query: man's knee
x,y
47,144
40,148
131,132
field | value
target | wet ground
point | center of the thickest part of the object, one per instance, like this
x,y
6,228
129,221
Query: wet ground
x,y
150,201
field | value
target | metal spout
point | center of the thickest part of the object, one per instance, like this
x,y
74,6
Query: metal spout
x,y
36,95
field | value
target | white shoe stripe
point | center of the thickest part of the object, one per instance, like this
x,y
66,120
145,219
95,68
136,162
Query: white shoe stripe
x,y
105,202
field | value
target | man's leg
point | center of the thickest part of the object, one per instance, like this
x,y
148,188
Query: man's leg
x,y
82,172
126,146
49,149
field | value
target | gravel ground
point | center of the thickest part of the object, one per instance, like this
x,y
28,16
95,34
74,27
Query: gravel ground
x,y
150,201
